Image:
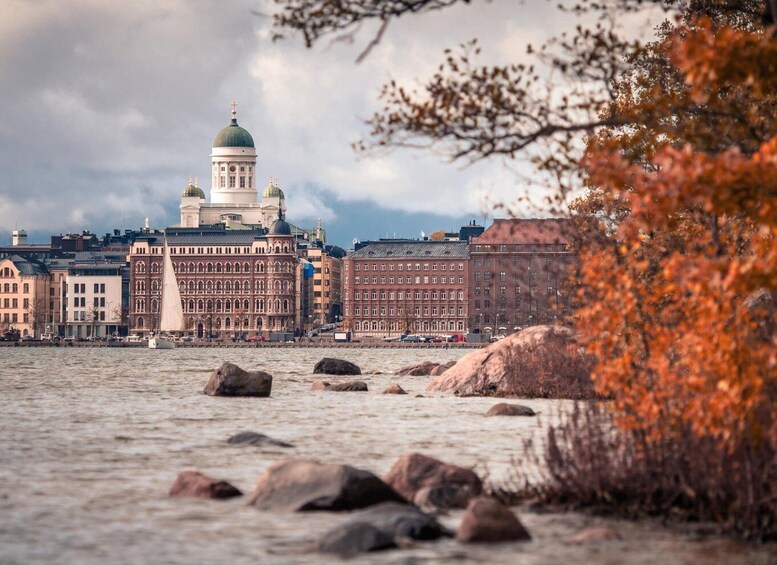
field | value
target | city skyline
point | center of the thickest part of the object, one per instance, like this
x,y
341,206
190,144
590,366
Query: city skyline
x,y
109,109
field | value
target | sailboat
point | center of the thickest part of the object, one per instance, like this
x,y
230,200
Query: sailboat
x,y
171,317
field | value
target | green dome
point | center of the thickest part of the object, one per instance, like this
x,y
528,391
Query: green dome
x,y
233,136
192,190
273,191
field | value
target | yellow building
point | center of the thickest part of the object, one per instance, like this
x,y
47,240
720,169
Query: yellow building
x,y
325,302
24,289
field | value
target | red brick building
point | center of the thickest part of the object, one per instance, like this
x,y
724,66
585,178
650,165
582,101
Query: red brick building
x,y
393,287
239,282
517,274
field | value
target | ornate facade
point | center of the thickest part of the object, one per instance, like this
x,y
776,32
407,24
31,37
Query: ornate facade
x,y
232,283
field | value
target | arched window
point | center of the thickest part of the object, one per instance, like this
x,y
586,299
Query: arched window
x,y
141,322
192,268
209,267
260,286
209,305
246,305
246,267
259,267
258,322
200,305
277,305
218,286
277,249
140,267
154,306
154,286
26,288
191,286
261,305
200,268
182,286
227,305
285,249
357,326
228,286
237,267
218,267
237,286
210,286
277,285
200,285
227,323
191,305
218,305
237,304
228,267
218,323
285,305
246,286
154,268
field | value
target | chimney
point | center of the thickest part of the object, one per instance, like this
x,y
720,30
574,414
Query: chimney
x,y
19,238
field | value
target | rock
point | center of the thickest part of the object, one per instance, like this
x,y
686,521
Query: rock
x,y
330,366
197,485
253,438
501,366
394,388
319,385
301,485
440,369
353,538
420,396
412,472
231,380
420,370
488,520
442,497
505,409
594,534
350,386
381,527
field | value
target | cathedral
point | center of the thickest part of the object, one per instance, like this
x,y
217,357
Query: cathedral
x,y
233,194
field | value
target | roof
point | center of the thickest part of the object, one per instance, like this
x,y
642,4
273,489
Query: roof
x,y
413,248
280,227
204,236
272,190
233,136
192,190
28,266
523,231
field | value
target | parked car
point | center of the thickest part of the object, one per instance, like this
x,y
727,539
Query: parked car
x,y
411,338
255,338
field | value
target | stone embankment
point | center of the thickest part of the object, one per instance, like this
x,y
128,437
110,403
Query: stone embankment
x,y
248,345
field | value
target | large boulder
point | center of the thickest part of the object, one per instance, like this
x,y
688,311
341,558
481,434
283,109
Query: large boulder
x,y
505,409
331,366
412,472
540,361
231,380
488,520
197,485
253,438
380,527
302,485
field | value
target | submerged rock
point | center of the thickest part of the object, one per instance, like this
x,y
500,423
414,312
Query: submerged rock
x,y
302,485
594,534
394,388
253,438
488,520
442,497
231,380
419,370
380,527
505,409
412,472
197,485
331,366
350,386
319,385
440,369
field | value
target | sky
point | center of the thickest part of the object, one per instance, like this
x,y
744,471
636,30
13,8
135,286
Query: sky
x,y
108,107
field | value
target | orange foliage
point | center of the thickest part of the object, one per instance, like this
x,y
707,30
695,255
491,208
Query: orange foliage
x,y
670,308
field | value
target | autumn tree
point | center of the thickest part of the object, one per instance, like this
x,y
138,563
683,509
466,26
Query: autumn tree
x,y
679,213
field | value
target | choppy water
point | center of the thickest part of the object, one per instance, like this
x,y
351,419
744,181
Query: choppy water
x,y
91,440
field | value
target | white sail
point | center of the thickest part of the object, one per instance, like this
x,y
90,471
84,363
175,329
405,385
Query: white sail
x,y
171,318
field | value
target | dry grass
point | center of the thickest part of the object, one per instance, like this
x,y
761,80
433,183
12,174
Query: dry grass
x,y
557,368
588,463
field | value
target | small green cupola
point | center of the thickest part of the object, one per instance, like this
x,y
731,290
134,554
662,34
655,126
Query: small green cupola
x,y
193,190
272,190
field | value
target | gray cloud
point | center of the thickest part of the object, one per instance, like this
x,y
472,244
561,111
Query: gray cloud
x,y
109,106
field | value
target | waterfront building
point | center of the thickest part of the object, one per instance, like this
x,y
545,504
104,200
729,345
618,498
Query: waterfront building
x,y
518,274
232,282
325,289
391,287
93,294
24,287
